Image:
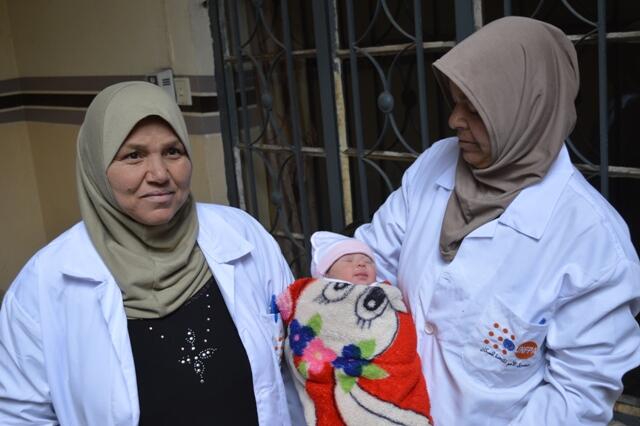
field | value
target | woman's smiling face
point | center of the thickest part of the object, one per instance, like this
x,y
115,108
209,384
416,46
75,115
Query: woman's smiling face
x,y
150,175
473,137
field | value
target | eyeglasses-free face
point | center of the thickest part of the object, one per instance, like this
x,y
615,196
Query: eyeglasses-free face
x,y
150,175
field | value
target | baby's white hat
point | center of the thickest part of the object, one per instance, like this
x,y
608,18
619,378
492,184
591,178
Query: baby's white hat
x,y
327,247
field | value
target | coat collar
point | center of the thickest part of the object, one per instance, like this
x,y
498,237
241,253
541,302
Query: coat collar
x,y
531,210
529,213
80,259
216,237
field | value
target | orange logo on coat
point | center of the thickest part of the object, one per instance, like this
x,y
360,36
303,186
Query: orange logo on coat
x,y
526,350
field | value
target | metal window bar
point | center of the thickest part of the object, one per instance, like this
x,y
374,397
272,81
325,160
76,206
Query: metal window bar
x,y
297,138
395,49
226,124
602,100
246,124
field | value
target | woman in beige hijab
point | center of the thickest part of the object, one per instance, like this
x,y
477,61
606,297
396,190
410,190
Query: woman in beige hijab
x,y
523,277
154,309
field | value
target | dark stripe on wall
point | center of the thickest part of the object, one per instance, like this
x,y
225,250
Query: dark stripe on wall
x,y
12,116
50,100
202,125
8,86
59,116
202,84
70,84
18,104
200,104
196,125
210,103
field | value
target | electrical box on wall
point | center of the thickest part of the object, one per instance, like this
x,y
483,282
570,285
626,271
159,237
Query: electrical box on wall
x,y
178,88
183,90
164,79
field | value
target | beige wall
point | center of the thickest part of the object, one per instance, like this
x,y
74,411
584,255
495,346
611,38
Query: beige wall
x,y
190,43
118,37
208,181
87,38
20,210
8,67
53,151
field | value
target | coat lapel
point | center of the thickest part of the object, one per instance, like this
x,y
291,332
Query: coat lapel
x,y
221,246
99,361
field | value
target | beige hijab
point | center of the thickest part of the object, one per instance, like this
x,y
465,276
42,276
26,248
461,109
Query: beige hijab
x,y
157,267
522,77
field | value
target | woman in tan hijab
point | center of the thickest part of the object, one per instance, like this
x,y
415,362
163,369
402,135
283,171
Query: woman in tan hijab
x,y
153,309
521,278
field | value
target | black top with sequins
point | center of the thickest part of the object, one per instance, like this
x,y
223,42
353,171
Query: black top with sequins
x,y
191,366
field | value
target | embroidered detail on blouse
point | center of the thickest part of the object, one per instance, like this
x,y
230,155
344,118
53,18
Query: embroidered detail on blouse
x,y
196,359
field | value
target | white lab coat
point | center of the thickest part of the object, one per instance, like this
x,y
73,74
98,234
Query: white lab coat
x,y
65,355
533,322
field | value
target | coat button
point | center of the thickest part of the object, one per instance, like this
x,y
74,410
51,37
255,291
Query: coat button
x,y
430,328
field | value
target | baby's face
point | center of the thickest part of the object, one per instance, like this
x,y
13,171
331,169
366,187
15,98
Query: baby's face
x,y
356,268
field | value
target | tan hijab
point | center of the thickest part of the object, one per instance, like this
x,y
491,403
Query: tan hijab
x,y
157,267
522,77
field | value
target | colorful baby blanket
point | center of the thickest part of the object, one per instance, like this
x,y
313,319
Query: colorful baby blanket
x,y
352,349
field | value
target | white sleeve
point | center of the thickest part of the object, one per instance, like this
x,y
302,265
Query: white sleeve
x,y
282,277
279,276
385,233
24,391
592,341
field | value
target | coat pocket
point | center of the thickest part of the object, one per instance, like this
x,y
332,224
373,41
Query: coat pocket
x,y
274,331
503,350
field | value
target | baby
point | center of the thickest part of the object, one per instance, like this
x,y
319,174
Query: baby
x,y
351,341
343,258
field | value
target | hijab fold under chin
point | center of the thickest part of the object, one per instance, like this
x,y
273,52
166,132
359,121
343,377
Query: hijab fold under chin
x,y
158,267
522,77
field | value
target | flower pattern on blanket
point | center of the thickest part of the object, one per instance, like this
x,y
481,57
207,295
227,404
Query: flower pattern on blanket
x,y
354,360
